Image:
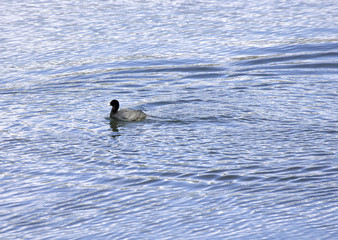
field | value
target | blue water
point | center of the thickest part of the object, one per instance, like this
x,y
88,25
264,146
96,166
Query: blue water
x,y
241,138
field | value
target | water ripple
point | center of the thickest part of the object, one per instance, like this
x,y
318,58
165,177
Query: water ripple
x,y
241,136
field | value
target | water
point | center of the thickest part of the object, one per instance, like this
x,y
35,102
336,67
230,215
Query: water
x,y
241,138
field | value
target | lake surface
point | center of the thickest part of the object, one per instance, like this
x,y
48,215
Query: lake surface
x,y
242,131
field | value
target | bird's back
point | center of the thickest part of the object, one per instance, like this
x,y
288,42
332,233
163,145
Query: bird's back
x,y
128,115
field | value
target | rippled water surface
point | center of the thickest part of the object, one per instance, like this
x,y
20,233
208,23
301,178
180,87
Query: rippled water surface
x,y
241,136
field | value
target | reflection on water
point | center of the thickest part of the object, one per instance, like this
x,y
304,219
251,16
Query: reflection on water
x,y
114,125
241,137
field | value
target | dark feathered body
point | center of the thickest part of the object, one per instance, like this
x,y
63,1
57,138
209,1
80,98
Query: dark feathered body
x,y
125,114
